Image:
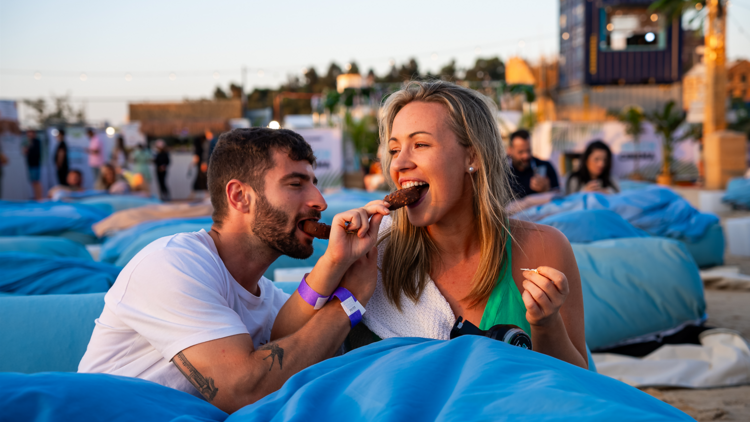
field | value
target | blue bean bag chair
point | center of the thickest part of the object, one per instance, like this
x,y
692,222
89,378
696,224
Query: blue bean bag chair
x,y
738,193
470,378
44,245
47,218
656,210
114,203
395,379
586,226
32,274
708,251
56,396
635,288
46,333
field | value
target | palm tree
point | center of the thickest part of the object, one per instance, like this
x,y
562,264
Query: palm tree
x,y
666,123
633,118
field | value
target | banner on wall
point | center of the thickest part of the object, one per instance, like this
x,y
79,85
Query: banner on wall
x,y
326,143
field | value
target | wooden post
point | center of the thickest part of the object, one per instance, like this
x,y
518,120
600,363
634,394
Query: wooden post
x,y
725,153
716,69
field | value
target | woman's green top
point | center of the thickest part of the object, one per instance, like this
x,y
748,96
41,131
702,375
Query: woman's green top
x,y
505,305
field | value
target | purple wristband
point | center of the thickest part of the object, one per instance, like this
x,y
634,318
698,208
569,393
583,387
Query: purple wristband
x,y
311,296
351,306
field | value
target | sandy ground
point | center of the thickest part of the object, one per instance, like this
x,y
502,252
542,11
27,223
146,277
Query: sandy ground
x,y
726,309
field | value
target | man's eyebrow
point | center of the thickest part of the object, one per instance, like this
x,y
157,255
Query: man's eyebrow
x,y
419,132
295,175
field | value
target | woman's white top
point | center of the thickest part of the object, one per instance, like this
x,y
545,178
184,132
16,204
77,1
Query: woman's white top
x,y
431,317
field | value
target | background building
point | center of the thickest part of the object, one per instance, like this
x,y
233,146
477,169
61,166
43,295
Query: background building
x,y
617,53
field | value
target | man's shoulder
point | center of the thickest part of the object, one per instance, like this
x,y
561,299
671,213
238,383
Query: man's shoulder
x,y
177,257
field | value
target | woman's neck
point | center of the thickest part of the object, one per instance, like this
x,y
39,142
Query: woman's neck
x,y
456,234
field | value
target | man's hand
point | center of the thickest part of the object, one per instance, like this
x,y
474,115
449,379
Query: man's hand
x,y
539,184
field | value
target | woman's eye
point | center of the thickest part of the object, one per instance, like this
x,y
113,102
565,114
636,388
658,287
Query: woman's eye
x,y
420,145
392,152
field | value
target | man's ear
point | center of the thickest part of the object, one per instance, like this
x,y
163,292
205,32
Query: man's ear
x,y
240,196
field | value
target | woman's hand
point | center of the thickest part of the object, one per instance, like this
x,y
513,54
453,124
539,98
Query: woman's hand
x,y
354,233
593,186
544,293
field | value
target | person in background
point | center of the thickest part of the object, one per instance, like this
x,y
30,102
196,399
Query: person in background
x,y
142,159
61,158
593,174
162,162
201,147
120,155
110,181
73,183
95,152
531,174
33,152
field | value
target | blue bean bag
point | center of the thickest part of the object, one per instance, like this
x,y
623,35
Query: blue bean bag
x,y
46,333
656,210
114,246
708,251
32,274
47,218
114,203
586,226
738,192
637,287
56,396
44,245
469,379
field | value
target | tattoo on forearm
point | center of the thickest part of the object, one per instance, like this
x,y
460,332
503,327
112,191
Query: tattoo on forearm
x,y
276,351
204,384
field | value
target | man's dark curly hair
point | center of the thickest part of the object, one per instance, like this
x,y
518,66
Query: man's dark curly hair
x,y
246,155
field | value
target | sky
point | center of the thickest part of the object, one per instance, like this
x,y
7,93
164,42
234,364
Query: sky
x,y
162,50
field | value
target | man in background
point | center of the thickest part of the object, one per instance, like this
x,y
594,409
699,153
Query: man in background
x,y
61,159
532,175
96,153
33,152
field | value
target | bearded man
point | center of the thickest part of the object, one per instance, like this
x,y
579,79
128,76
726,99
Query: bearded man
x,y
193,311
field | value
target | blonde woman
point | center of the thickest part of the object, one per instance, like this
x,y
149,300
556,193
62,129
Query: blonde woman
x,y
455,252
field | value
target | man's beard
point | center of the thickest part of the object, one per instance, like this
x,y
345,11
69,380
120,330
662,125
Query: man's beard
x,y
521,165
270,224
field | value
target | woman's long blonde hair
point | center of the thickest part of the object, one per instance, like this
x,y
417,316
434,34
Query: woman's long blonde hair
x,y
410,252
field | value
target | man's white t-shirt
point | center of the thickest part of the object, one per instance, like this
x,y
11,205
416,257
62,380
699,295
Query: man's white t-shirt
x,y
175,293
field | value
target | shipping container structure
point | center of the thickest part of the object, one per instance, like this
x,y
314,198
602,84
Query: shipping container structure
x,y
615,53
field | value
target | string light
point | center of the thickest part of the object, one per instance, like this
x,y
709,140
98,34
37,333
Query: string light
x,y
261,73
128,77
37,75
83,77
216,75
172,76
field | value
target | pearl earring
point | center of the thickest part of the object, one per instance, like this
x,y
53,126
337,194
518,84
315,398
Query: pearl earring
x,y
471,169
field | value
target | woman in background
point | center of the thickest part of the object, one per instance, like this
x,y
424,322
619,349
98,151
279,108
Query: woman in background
x,y
593,174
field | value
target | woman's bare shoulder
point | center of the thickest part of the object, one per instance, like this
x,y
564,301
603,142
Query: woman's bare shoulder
x,y
533,239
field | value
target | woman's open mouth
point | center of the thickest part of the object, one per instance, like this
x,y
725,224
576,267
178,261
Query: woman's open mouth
x,y
422,193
